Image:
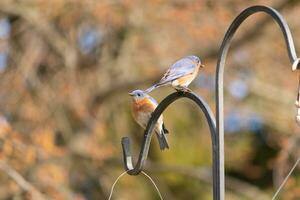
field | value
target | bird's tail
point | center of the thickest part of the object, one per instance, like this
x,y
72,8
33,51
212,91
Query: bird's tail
x,y
165,130
162,140
150,89
157,85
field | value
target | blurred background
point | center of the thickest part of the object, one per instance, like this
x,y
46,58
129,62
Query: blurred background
x,y
66,68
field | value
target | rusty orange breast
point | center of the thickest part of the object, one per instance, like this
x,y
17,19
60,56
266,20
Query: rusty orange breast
x,y
144,105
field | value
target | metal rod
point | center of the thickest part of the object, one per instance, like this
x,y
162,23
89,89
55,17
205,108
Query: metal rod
x,y
137,168
221,64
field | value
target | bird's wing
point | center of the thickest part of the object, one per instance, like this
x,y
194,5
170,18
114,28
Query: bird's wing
x,y
159,125
165,130
180,68
153,101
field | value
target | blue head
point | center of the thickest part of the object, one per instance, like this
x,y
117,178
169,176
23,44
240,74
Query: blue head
x,y
195,59
138,95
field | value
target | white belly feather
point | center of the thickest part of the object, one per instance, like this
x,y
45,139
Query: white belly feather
x,y
143,119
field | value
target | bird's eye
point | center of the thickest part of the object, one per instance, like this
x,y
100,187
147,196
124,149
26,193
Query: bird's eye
x,y
139,94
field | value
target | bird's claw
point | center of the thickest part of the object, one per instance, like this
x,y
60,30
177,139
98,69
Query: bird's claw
x,y
183,89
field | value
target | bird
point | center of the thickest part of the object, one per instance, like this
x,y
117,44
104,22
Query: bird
x,y
143,106
180,74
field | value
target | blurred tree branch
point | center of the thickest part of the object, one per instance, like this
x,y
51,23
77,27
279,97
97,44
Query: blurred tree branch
x,y
54,39
287,157
253,32
19,179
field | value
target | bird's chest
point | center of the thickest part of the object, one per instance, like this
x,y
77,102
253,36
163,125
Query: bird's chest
x,y
143,117
142,113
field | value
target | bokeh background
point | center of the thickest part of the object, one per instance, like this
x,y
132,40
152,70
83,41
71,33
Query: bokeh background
x,y
66,68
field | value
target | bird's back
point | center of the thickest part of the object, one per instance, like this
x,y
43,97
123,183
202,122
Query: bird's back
x,y
182,67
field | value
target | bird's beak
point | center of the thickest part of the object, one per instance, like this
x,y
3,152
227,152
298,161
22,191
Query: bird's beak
x,y
202,66
131,94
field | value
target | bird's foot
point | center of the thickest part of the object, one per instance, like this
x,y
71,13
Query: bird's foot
x,y
183,89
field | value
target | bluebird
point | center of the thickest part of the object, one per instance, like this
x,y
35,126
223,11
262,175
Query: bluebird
x,y
180,74
143,106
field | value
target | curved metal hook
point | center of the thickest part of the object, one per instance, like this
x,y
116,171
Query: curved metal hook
x,y
137,168
222,58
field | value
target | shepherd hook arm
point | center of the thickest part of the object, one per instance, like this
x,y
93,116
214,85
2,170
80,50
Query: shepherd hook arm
x,y
222,58
137,168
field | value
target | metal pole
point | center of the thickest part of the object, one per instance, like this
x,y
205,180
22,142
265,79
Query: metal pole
x,y
221,64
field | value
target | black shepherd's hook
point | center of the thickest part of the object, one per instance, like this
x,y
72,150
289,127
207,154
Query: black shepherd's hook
x,y
221,64
137,168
